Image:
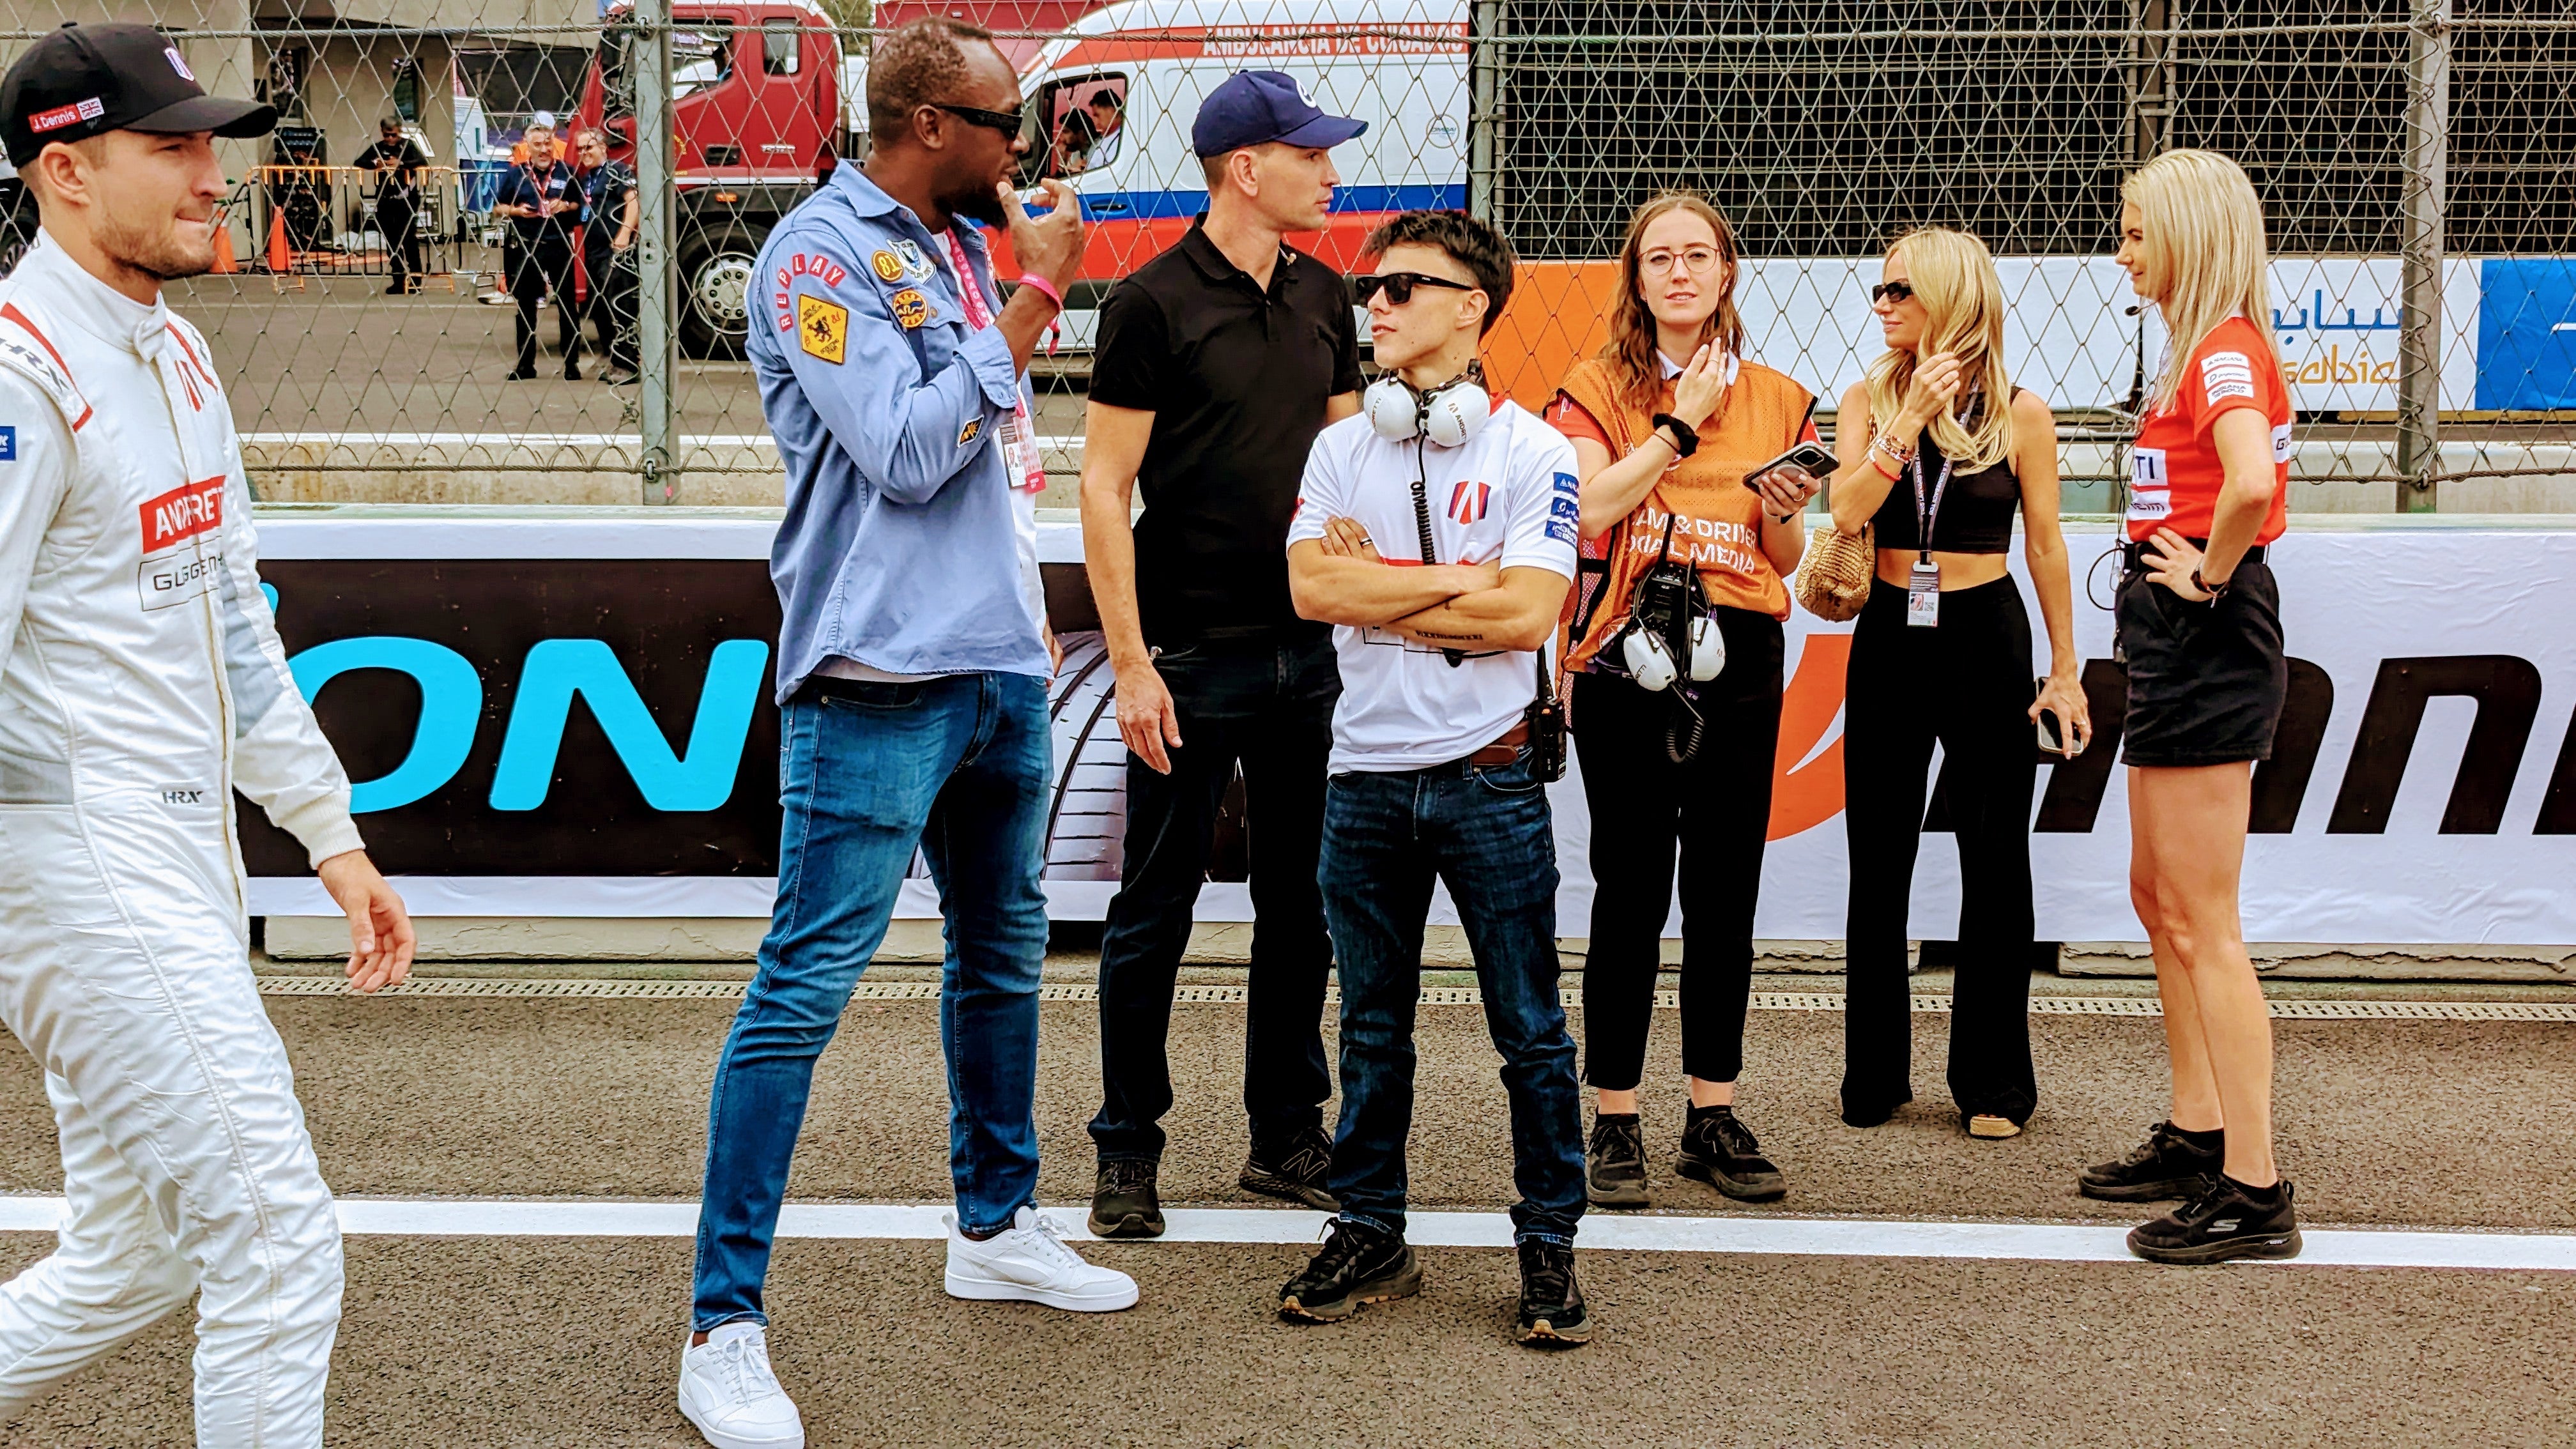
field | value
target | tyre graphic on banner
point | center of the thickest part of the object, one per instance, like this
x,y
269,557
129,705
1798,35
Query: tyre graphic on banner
x,y
1087,818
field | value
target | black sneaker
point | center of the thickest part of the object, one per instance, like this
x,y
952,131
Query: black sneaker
x,y
1552,1311
1617,1177
1358,1264
1296,1168
1720,1151
2165,1165
1124,1203
2229,1220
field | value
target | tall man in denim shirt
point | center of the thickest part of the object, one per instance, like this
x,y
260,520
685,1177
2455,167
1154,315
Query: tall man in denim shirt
x,y
912,673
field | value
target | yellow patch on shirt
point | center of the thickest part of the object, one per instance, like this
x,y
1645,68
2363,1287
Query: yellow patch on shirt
x,y
910,307
968,433
887,266
823,329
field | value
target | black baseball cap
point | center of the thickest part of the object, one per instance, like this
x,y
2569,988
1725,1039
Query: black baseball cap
x,y
1251,107
86,80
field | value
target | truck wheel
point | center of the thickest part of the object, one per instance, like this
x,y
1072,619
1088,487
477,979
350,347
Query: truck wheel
x,y
716,293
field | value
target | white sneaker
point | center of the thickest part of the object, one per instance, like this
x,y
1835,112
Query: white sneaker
x,y
1028,1262
727,1390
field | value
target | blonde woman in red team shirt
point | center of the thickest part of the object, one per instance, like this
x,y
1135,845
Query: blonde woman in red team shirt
x,y
2200,629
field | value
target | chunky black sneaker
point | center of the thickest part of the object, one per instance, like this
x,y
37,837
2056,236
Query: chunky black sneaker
x,y
1296,1168
1358,1264
1720,1151
1552,1311
2229,1220
1124,1202
1617,1177
2167,1164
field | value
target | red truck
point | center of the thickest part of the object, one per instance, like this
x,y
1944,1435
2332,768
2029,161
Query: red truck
x,y
761,111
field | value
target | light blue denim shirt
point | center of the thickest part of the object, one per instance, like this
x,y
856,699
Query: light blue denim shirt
x,y
897,550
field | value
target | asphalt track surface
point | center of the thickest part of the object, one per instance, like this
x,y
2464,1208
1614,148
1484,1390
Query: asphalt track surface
x,y
573,1341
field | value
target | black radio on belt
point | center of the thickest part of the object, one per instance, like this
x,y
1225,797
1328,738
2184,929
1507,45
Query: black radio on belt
x,y
1546,716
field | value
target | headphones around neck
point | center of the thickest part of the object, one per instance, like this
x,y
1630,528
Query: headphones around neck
x,y
1450,415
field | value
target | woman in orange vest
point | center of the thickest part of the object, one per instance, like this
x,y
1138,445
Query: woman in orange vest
x,y
1942,452
1674,647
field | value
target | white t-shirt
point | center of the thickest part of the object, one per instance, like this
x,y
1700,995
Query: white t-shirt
x,y
1510,495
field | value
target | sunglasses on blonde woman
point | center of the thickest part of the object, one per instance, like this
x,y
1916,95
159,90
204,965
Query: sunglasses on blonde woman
x,y
1891,292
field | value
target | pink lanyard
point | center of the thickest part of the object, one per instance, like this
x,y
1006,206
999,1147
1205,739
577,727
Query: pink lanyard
x,y
1020,438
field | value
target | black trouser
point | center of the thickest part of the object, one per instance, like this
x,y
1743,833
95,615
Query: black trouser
x,y
611,307
1967,684
1714,813
1269,707
543,263
398,222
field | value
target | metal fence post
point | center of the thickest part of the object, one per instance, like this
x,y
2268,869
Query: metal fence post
x,y
656,294
1484,96
2419,340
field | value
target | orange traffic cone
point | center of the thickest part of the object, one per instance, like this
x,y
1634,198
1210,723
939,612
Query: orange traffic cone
x,y
225,266
280,259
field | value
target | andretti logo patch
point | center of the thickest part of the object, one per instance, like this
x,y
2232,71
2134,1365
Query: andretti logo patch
x,y
182,514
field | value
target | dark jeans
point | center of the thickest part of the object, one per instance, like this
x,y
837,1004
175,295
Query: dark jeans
x,y
397,221
1484,832
958,767
1712,816
1967,684
1271,708
541,265
611,307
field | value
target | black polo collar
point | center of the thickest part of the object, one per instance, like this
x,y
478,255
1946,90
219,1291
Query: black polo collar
x,y
1216,266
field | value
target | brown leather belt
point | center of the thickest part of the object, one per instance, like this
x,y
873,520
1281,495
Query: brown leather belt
x,y
1504,750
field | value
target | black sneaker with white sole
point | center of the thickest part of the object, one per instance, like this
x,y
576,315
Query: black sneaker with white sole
x,y
2230,1220
1616,1170
1298,1168
2167,1165
1125,1202
1358,1264
1721,1151
1552,1311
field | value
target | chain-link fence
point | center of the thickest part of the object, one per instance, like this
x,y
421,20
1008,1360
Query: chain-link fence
x,y
2417,160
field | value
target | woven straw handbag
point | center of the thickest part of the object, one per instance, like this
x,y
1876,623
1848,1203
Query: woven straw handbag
x,y
1834,579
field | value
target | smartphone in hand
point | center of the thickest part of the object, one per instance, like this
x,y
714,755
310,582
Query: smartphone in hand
x,y
2052,731
1810,457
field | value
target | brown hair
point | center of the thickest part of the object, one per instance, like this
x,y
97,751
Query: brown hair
x,y
1630,352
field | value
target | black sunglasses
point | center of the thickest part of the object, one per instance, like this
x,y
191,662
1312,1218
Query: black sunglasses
x,y
1399,286
1006,122
1891,291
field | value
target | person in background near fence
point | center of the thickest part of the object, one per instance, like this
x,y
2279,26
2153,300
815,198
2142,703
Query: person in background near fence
x,y
1218,362
542,200
1432,761
912,676
1670,425
396,159
1939,449
2199,621
141,685
608,217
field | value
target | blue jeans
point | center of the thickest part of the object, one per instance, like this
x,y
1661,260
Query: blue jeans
x,y
957,766
1484,832
1269,707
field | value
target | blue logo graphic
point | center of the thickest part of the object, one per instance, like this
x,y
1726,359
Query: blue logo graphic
x,y
1568,485
8,445
1563,507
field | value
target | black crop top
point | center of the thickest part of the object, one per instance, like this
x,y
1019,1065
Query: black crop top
x,y
1976,512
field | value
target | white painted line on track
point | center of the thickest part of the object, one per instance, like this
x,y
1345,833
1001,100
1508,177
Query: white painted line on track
x,y
1764,1236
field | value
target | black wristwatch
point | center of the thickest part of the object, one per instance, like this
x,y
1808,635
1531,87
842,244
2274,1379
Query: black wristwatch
x,y
2215,591
1685,440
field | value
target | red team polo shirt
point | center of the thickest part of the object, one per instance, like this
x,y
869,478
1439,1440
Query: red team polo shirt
x,y
2174,475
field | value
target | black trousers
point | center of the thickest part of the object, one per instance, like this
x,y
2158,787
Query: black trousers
x,y
546,263
1711,817
1967,684
398,222
1269,707
611,308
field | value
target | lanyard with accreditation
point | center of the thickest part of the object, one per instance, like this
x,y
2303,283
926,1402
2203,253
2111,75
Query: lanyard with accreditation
x,y
1019,436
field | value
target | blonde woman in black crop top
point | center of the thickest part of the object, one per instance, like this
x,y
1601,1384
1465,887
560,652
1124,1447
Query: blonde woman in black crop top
x,y
1942,653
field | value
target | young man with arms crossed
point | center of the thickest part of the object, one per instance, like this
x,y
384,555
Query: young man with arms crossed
x,y
1431,771
1218,363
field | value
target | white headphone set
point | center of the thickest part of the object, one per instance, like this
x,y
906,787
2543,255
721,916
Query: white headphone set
x,y
1451,414
1651,664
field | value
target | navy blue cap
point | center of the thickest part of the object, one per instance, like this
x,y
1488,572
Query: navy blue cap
x,y
1254,106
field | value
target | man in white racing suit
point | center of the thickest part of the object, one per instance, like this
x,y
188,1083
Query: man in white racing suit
x,y
141,684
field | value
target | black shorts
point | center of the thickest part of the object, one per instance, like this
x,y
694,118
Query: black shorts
x,y
2206,682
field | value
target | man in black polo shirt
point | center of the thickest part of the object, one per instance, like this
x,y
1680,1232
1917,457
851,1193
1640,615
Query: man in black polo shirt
x,y
1217,364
